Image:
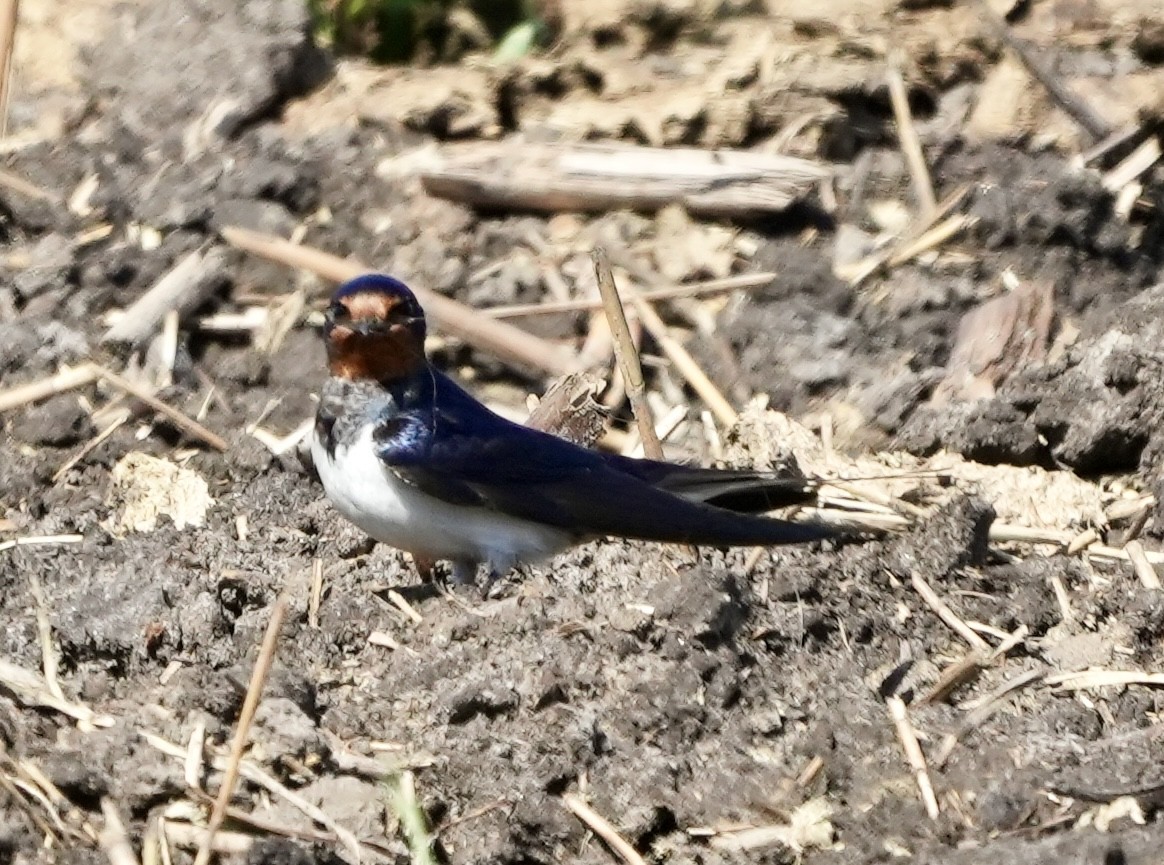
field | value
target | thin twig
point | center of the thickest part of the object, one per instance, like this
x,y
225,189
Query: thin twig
x,y
981,709
1082,113
180,420
401,603
257,775
496,337
954,676
183,288
242,731
601,827
190,836
923,186
1149,579
685,364
1082,679
947,615
627,355
913,754
316,595
932,237
1136,163
582,304
114,840
920,235
44,632
91,445
472,814
18,184
195,754
37,540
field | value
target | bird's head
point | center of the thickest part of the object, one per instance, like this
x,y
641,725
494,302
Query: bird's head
x,y
374,329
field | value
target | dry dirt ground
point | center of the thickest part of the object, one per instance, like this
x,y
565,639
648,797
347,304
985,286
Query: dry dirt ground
x,y
713,707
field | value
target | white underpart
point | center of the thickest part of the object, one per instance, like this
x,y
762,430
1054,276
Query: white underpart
x,y
390,510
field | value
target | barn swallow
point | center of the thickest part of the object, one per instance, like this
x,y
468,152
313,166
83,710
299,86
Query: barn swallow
x,y
418,463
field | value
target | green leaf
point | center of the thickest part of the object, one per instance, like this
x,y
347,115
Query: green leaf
x,y
517,42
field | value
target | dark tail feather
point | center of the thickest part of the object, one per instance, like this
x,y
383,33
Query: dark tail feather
x,y
744,491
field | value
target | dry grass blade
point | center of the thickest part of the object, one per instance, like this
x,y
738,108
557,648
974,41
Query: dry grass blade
x,y
242,731
582,304
279,445
66,379
1069,101
185,287
1136,163
36,540
1082,541
807,826
91,445
931,238
18,184
981,709
907,136
601,827
32,690
478,330
44,633
627,355
923,234
1009,533
954,676
685,363
187,424
9,15
401,603
257,776
1083,679
195,752
316,594
114,840
913,753
194,837
947,615
1149,579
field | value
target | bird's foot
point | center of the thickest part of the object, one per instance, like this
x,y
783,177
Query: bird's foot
x,y
491,578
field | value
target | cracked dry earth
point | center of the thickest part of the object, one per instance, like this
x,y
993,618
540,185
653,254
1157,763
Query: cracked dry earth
x,y
715,708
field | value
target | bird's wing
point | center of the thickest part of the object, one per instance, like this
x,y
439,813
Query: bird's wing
x,y
460,452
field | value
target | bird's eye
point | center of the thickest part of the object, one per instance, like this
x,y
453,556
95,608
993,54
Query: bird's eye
x,y
337,312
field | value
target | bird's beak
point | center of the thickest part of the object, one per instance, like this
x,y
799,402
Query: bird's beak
x,y
368,326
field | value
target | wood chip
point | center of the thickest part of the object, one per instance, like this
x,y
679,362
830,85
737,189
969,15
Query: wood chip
x,y
520,175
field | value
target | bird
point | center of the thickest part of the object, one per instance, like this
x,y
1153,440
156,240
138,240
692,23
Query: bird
x,y
417,462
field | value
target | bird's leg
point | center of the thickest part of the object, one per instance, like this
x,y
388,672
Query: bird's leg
x,y
497,567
